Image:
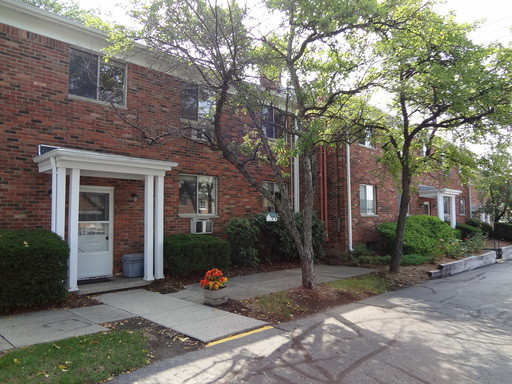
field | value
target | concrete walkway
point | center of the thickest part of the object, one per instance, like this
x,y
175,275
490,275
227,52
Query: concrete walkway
x,y
182,312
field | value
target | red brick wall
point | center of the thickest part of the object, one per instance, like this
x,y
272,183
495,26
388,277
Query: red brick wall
x,y
366,170
35,108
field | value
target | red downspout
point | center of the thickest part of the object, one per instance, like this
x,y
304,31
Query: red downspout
x,y
323,191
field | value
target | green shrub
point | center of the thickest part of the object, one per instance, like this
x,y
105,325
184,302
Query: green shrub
x,y
411,259
453,248
189,253
484,227
475,243
422,236
243,239
276,243
414,259
468,231
33,268
502,231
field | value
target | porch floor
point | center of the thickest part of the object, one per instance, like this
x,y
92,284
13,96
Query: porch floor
x,y
116,283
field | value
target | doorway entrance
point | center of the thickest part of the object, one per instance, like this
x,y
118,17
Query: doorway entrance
x,y
95,232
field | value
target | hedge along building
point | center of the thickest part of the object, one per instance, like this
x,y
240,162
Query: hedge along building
x,y
70,164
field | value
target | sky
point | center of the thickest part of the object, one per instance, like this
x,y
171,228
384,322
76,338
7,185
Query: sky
x,y
496,15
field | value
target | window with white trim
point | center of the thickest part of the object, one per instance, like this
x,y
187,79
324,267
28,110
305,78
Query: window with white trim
x,y
92,77
197,108
462,205
273,122
197,195
274,190
367,138
367,199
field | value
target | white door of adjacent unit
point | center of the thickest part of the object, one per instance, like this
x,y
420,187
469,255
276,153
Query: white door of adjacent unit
x,y
95,232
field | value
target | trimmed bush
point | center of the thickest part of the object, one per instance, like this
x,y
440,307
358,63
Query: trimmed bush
x,y
243,239
502,231
412,259
189,253
482,225
422,236
33,268
468,231
275,242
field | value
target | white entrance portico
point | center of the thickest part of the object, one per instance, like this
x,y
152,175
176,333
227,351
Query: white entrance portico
x,y
445,200
62,162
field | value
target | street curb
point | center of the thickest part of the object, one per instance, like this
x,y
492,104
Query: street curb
x,y
467,264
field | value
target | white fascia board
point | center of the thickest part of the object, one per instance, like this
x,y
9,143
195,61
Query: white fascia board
x,y
103,165
41,22
432,193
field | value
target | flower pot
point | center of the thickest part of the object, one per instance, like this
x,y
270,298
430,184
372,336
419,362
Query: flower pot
x,y
215,297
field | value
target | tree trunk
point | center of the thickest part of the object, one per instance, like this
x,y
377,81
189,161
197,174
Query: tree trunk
x,y
307,254
396,256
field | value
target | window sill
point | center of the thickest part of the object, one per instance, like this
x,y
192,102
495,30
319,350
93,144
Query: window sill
x,y
198,216
369,215
95,101
367,146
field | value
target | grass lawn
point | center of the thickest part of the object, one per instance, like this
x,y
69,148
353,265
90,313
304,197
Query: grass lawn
x,y
299,302
83,359
361,287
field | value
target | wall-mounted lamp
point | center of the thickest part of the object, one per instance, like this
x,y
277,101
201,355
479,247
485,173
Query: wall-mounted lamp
x,y
135,197
50,193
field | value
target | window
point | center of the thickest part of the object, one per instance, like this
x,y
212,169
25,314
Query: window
x,y
447,207
91,77
368,138
274,190
367,198
197,107
198,195
196,102
462,205
273,122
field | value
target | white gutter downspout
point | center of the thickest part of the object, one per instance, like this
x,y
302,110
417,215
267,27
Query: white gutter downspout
x,y
54,196
296,179
349,199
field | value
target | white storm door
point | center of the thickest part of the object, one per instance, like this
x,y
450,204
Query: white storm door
x,y
95,232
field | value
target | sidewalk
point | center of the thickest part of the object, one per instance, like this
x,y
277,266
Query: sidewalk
x,y
182,312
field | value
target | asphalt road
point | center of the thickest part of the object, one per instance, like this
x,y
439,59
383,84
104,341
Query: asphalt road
x,y
454,330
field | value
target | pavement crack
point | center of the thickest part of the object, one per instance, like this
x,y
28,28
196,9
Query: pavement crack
x,y
356,364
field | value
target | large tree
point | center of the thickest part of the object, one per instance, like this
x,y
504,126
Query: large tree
x,y
314,57
442,90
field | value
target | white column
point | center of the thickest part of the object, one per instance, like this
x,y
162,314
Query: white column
x,y
74,198
149,207
453,216
60,204
54,196
159,227
440,206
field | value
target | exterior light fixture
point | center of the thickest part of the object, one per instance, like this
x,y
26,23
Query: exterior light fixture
x,y
135,197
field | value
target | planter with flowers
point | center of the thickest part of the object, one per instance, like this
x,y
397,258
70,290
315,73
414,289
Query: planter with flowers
x,y
214,287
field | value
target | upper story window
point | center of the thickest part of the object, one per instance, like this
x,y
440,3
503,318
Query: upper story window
x,y
462,205
197,102
368,138
198,195
274,190
273,122
91,77
368,199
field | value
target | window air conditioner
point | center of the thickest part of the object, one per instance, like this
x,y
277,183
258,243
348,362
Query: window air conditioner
x,y
201,226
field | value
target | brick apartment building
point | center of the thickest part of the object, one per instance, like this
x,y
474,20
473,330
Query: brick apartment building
x,y
70,164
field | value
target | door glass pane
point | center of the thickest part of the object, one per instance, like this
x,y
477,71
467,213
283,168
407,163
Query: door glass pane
x,y
93,206
447,208
93,237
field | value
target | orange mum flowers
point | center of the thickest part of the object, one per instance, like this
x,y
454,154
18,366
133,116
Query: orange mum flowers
x,y
213,279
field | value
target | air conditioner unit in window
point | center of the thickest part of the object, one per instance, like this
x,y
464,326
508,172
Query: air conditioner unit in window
x,y
201,226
